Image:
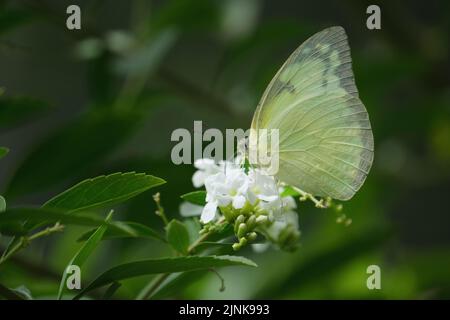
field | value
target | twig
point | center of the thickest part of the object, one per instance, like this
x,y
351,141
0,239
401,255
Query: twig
x,y
160,210
24,241
306,196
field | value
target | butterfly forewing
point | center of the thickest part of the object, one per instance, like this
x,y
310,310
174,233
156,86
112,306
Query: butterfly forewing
x,y
326,142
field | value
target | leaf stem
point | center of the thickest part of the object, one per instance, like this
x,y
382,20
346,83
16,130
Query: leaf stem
x,y
24,241
56,228
197,242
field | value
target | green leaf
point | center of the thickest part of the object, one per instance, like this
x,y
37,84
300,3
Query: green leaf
x,y
2,204
165,265
211,244
3,152
13,229
103,191
178,236
11,221
289,191
84,252
20,293
49,215
173,286
24,292
111,290
127,230
195,197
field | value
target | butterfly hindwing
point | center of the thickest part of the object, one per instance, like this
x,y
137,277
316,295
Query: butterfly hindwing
x,y
326,142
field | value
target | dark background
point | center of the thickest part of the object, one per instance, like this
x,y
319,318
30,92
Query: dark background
x,y
106,98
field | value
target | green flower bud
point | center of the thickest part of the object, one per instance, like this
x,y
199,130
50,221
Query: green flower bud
x,y
242,230
261,219
238,245
251,222
252,236
341,218
229,213
240,219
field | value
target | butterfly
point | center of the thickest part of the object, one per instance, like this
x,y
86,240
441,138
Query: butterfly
x,y
325,140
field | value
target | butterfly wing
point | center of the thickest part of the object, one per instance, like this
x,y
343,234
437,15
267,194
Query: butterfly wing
x,y
326,141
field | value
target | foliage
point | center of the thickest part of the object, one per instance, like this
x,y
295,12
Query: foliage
x,y
94,110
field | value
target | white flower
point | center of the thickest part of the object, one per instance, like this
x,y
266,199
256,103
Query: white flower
x,y
263,186
188,209
289,218
209,212
288,203
227,185
206,168
224,189
230,188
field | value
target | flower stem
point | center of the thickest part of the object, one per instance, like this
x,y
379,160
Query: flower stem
x,y
159,208
197,242
306,196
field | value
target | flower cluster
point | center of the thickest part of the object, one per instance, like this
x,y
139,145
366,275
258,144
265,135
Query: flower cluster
x,y
249,199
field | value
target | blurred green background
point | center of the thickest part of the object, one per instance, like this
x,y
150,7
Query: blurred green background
x,y
106,98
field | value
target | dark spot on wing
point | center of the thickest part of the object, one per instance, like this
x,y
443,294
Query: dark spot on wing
x,y
289,87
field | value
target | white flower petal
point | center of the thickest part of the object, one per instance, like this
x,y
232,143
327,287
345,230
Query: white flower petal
x,y
209,212
260,247
268,198
239,202
198,179
288,203
204,164
188,209
223,200
251,197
